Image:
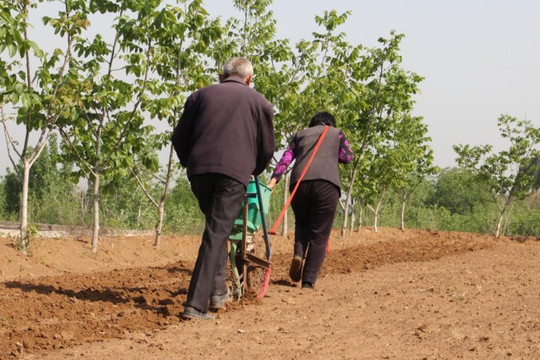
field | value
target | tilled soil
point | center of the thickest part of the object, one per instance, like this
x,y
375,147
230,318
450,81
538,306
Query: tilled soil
x,y
385,295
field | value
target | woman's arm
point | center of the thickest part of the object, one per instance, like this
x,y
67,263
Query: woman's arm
x,y
345,152
286,159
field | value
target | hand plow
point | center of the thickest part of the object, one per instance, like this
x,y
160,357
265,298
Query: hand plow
x,y
250,249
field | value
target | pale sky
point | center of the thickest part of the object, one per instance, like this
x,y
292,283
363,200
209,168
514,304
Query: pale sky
x,y
480,58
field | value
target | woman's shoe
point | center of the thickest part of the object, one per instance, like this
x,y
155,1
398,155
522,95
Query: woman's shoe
x,y
295,272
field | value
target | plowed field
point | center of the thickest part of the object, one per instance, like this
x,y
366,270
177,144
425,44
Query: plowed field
x,y
381,295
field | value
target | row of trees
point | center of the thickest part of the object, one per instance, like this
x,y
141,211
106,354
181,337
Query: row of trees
x,y
104,93
451,200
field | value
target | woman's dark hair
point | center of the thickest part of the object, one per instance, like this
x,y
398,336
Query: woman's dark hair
x,y
323,118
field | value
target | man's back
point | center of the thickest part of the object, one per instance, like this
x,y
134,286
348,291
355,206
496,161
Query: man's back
x,y
226,128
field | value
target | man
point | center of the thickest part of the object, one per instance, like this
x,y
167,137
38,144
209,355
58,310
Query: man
x,y
224,136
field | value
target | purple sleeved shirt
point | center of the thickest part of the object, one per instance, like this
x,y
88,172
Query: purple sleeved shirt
x,y
345,155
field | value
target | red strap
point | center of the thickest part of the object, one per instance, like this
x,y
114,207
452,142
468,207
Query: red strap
x,y
280,218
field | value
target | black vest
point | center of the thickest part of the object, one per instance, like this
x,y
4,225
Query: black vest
x,y
325,162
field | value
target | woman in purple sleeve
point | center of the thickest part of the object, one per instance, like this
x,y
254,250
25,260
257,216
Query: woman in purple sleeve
x,y
314,204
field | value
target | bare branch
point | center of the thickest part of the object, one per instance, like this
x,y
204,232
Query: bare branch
x,y
43,138
160,179
143,188
9,141
407,193
119,69
70,144
293,77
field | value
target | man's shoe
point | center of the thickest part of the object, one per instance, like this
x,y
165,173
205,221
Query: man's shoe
x,y
218,301
295,272
192,313
308,285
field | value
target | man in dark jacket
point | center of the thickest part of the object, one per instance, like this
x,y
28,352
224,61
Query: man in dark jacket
x,y
224,136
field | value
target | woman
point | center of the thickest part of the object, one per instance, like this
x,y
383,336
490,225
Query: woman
x,y
314,204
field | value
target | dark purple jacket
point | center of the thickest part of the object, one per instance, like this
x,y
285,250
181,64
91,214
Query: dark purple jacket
x,y
227,129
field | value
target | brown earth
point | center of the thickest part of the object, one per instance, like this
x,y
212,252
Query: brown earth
x,y
385,295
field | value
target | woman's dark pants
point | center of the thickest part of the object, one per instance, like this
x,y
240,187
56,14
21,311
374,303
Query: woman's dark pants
x,y
314,206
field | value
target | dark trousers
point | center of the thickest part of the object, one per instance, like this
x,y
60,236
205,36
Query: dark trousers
x,y
314,206
220,198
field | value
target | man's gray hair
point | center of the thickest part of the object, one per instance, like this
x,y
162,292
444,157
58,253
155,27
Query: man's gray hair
x,y
237,66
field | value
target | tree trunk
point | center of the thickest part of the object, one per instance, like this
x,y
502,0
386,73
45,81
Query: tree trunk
x,y
164,193
348,201
285,228
159,225
402,217
95,223
353,220
84,206
502,213
139,216
24,241
499,224
507,219
360,215
377,211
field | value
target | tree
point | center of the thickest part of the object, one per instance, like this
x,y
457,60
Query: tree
x,y
105,120
398,158
456,191
504,174
418,189
121,82
40,94
414,161
50,193
179,60
384,103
